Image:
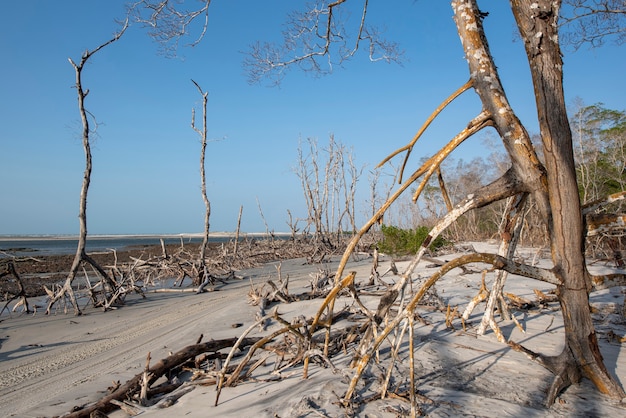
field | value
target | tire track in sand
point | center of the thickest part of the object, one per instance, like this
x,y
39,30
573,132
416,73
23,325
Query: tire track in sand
x,y
31,383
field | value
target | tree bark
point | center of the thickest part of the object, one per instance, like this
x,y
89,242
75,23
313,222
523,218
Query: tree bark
x,y
553,186
537,22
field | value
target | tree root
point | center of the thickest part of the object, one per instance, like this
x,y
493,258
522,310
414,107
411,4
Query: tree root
x,y
566,371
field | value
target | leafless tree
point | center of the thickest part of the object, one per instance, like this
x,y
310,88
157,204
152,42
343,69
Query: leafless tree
x,y
203,274
592,22
329,178
169,21
315,40
81,255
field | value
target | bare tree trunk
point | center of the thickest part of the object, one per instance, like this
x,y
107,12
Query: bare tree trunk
x,y
21,293
237,231
203,274
537,21
82,214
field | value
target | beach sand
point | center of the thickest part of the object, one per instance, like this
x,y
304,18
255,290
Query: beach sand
x,y
50,364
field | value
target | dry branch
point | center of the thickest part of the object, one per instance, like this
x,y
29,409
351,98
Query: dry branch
x,y
409,147
369,348
21,292
131,387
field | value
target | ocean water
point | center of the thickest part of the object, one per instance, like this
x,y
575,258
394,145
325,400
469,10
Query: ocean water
x,y
59,245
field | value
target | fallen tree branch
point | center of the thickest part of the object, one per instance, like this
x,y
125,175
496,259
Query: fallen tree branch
x,y
10,270
133,385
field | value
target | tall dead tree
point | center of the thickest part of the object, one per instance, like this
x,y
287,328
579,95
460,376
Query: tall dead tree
x,y
81,255
203,274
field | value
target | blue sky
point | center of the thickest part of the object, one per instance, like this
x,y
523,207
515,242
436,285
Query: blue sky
x,y
146,157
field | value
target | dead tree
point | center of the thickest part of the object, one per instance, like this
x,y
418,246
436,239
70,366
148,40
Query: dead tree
x,y
328,178
162,367
560,204
10,270
203,273
81,255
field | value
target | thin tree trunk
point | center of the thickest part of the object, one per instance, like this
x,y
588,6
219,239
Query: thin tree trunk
x,y
82,213
203,273
11,270
238,230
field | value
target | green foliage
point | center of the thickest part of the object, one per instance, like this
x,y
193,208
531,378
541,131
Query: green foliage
x,y
399,241
600,151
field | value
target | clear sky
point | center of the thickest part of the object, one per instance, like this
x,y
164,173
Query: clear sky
x,y
146,157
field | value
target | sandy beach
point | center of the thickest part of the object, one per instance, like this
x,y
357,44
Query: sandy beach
x,y
51,364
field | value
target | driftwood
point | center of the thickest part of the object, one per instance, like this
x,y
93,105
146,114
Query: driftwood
x,y
21,293
136,395
270,292
113,282
131,387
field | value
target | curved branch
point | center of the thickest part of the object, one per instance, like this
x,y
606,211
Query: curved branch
x,y
436,112
478,123
88,53
345,282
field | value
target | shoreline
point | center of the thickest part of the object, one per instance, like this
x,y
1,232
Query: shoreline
x,y
52,237
43,245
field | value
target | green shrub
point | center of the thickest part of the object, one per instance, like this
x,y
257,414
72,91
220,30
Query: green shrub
x,y
399,241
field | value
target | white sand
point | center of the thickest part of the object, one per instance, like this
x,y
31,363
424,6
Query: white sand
x,y
48,365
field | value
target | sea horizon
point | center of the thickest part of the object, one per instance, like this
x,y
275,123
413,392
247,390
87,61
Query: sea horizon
x,y
33,245
121,235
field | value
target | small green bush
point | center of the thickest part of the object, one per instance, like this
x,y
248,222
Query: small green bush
x,y
399,241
